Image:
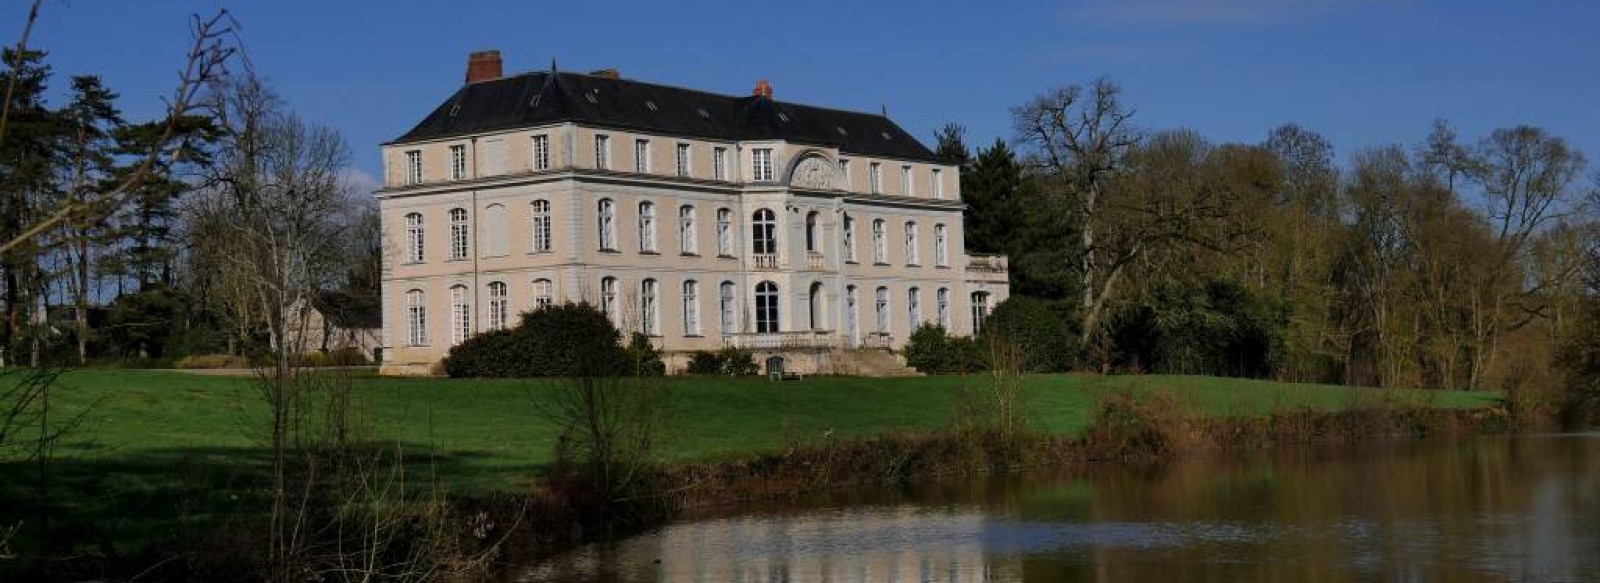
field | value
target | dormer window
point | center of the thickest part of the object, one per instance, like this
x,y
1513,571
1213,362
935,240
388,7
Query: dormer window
x,y
592,96
783,117
651,105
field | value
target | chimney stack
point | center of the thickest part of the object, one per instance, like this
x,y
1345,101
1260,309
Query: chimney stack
x,y
607,73
763,89
483,66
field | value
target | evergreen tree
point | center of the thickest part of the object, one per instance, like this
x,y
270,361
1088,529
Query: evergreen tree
x,y
88,122
989,187
951,145
28,153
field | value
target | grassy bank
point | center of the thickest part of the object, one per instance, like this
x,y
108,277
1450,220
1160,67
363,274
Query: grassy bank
x,y
171,459
487,434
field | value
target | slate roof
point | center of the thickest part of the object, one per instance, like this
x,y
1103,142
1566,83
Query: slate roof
x,y
532,99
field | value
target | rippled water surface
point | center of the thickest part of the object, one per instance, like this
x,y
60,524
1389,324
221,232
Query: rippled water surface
x,y
1490,509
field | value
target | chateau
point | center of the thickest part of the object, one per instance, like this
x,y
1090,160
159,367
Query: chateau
x,y
819,236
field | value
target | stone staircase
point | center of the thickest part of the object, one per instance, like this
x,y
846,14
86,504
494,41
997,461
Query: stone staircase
x,y
870,362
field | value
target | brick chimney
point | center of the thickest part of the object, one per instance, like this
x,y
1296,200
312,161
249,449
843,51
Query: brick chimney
x,y
607,73
483,66
763,89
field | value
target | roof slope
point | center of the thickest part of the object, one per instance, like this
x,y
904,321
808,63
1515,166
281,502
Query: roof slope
x,y
539,98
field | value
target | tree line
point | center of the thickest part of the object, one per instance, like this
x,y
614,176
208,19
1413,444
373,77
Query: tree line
x,y
1454,262
207,230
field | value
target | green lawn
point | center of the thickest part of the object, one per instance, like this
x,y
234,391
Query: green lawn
x,y
489,433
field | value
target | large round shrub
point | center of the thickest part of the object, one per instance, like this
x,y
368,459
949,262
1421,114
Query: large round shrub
x,y
932,350
560,340
1038,328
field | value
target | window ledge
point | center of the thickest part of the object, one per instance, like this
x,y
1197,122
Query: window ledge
x,y
852,262
688,254
694,336
913,265
414,263
881,263
720,256
458,259
647,252
941,267
605,250
540,252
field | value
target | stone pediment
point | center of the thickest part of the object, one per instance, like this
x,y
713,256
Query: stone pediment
x,y
815,173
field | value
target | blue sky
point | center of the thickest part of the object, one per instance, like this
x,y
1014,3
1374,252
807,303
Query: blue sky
x,y
1363,72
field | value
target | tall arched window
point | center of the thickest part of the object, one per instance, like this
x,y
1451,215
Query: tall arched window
x,y
414,238
608,298
460,315
542,225
851,327
647,227
911,243
813,233
980,310
881,304
608,223
880,242
543,294
766,307
498,230
416,318
724,232
913,308
499,312
458,233
814,299
691,308
941,255
942,299
727,308
686,238
764,233
849,238
649,310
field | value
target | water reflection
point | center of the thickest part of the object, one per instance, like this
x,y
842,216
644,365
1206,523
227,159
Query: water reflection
x,y
1493,509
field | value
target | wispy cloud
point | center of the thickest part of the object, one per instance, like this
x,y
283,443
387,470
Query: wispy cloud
x,y
1213,11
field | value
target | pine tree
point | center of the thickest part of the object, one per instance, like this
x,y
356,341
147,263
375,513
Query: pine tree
x,y
28,153
88,122
951,145
989,187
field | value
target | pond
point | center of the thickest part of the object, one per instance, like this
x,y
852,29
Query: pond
x,y
1523,508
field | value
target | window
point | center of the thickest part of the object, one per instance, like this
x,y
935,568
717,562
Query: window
x,y
844,170
458,233
647,227
498,311
414,238
724,232
719,163
980,310
938,183
649,314
608,298
541,152
540,211
913,308
911,243
686,242
764,233
941,300
875,178
683,160
726,307
880,242
766,307
814,306
608,231
414,167
460,315
761,164
458,162
691,308
851,328
882,307
813,237
602,152
497,230
941,256
641,156
416,318
849,238
905,181
543,294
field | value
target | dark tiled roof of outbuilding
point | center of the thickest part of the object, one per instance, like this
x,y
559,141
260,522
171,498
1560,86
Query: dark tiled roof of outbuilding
x,y
532,99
